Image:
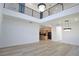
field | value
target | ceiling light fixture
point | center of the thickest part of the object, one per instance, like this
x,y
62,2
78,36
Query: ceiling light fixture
x,y
41,7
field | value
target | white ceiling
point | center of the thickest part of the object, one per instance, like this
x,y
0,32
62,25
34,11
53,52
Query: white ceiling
x,y
34,6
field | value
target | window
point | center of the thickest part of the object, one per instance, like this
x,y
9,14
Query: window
x,y
21,7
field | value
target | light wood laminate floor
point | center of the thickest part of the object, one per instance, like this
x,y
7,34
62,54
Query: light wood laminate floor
x,y
42,48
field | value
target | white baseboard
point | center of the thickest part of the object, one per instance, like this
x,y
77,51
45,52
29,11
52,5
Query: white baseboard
x,y
10,45
66,42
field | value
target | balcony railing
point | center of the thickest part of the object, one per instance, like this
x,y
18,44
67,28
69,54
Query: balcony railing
x,y
19,7
22,9
58,8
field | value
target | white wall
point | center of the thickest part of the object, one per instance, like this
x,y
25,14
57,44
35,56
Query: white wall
x,y
1,5
16,31
54,34
59,32
20,15
12,6
69,5
71,37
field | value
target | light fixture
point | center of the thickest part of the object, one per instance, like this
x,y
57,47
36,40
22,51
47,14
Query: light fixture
x,y
41,7
67,29
67,26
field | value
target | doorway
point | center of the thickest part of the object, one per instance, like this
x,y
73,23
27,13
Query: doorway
x,y
45,33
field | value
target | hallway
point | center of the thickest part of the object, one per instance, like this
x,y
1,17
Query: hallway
x,y
43,48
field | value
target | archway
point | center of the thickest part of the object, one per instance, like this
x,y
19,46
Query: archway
x,y
45,33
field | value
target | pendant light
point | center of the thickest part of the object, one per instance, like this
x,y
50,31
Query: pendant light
x,y
41,7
